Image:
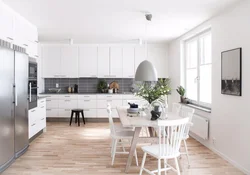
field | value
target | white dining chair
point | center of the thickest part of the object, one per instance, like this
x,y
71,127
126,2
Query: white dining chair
x,y
176,107
119,138
187,112
168,147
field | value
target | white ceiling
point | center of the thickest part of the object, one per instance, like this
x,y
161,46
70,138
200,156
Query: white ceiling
x,y
105,21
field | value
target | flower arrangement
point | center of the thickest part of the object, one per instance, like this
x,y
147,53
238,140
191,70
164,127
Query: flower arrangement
x,y
152,91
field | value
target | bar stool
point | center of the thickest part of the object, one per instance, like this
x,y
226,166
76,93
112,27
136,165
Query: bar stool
x,y
77,116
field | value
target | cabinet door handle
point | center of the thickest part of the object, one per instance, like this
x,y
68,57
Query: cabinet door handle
x,y
48,100
33,111
109,96
86,109
33,124
26,45
10,38
42,119
42,101
66,96
66,109
86,100
67,100
42,107
36,56
48,109
109,100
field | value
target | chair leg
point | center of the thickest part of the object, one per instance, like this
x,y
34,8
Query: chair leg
x,y
75,117
71,118
186,148
112,147
114,151
136,158
177,166
143,162
165,165
78,118
83,118
159,166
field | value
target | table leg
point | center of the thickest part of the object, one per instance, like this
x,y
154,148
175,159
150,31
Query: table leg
x,y
151,131
132,148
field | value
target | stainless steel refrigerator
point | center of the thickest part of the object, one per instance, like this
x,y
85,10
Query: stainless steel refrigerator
x,y
13,103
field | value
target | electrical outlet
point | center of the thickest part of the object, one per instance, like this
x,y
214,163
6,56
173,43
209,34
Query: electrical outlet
x,y
57,85
214,140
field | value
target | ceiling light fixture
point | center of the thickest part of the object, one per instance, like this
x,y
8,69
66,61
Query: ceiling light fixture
x,y
146,71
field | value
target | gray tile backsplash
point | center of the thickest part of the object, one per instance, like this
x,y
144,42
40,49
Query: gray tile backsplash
x,y
86,85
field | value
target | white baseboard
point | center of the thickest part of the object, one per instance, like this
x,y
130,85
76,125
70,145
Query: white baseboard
x,y
237,165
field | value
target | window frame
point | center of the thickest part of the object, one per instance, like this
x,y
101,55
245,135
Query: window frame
x,y
197,37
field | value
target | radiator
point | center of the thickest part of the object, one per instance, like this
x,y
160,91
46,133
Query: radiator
x,y
200,126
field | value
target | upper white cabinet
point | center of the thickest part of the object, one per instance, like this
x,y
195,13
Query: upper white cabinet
x,y
69,62
88,56
103,61
51,60
116,55
6,23
140,55
128,62
157,56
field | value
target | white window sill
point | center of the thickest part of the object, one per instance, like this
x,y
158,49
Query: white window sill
x,y
204,109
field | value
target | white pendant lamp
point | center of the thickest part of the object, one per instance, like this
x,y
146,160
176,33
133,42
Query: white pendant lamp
x,y
146,71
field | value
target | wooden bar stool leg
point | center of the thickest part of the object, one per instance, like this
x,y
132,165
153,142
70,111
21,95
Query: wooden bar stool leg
x,y
83,118
75,117
71,118
78,118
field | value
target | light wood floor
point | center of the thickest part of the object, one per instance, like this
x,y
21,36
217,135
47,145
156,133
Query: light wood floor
x,y
85,150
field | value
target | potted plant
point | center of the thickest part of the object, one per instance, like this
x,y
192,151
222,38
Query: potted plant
x,y
181,91
102,86
152,92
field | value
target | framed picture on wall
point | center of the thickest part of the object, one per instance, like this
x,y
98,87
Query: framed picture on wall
x,y
231,82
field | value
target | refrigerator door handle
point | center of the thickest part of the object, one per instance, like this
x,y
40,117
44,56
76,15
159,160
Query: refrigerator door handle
x,y
30,92
15,95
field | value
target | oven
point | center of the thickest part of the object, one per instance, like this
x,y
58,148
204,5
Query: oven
x,y
32,86
32,70
32,94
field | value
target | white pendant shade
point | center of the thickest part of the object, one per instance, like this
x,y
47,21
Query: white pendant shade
x,y
146,72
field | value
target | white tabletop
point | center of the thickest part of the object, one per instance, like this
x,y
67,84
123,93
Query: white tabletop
x,y
141,121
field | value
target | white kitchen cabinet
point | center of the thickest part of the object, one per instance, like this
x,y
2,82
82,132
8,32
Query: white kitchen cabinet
x,y
21,34
157,56
51,60
52,112
128,62
103,61
37,118
64,113
87,104
69,62
6,23
32,49
103,103
90,113
140,55
116,61
88,56
67,104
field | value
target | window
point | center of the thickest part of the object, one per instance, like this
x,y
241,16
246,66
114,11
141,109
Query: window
x,y
198,69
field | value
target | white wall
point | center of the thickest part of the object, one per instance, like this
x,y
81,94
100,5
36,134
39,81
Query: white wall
x,y
230,117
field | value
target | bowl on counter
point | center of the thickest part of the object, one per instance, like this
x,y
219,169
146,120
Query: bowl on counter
x,y
54,90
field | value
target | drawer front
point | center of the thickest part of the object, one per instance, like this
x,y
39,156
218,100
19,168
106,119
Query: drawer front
x,y
67,104
102,113
128,97
51,97
109,97
52,112
64,113
87,97
32,130
66,97
42,112
90,113
51,103
41,102
33,116
87,104
103,103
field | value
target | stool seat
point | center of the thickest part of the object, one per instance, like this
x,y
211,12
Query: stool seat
x,y
77,110
77,113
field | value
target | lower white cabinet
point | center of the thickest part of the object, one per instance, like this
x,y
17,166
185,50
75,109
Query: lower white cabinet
x,y
37,118
94,106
